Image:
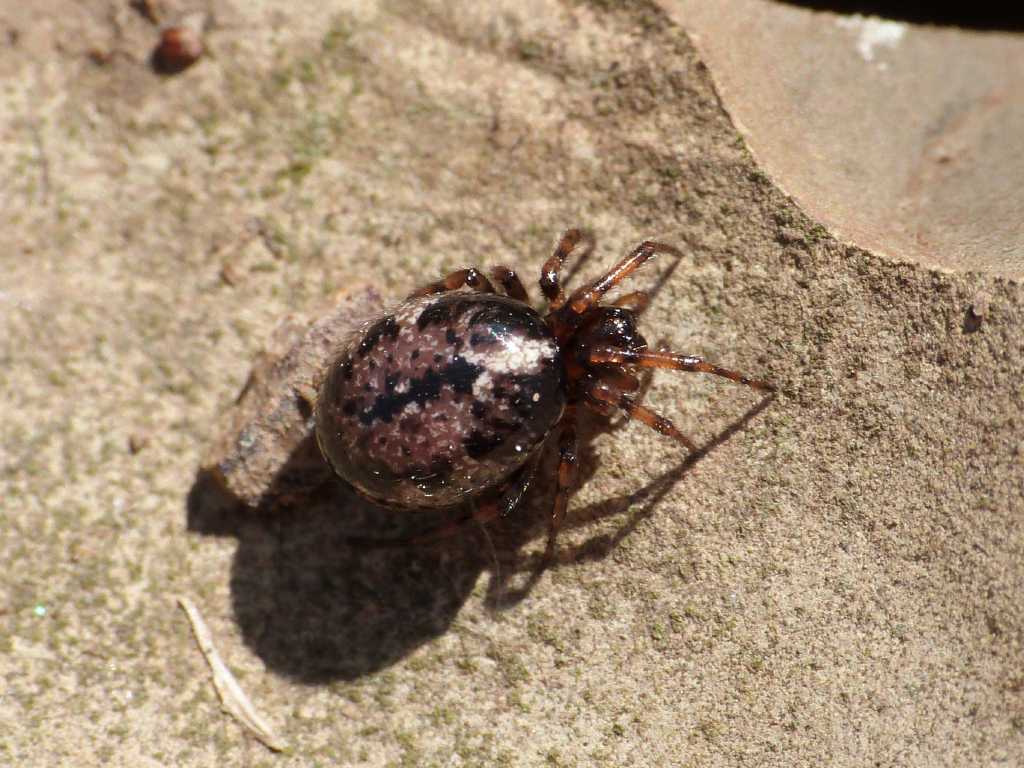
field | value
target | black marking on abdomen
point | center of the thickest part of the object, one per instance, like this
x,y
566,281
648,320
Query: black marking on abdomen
x,y
458,374
477,338
386,326
478,445
461,374
438,313
510,320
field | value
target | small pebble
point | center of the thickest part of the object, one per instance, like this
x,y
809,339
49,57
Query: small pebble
x,y
179,48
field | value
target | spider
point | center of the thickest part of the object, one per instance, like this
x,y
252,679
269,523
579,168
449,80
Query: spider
x,y
449,400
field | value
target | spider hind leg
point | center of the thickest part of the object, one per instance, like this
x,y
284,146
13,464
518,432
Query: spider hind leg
x,y
672,361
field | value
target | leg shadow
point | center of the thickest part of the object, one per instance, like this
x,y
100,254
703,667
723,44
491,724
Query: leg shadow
x,y
502,596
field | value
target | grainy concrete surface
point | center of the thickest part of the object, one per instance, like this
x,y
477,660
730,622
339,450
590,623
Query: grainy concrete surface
x,y
837,582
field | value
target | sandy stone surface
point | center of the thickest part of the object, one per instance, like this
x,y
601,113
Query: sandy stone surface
x,y
838,580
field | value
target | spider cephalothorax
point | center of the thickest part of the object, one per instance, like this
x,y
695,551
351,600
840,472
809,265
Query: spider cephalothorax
x,y
451,397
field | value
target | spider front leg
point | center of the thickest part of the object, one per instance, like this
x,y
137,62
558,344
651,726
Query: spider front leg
x,y
637,301
550,274
588,296
638,383
471,277
510,283
672,361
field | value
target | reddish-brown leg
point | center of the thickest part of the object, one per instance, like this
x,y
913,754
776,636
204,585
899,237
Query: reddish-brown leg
x,y
643,381
601,395
496,504
567,469
619,380
672,361
636,301
586,297
510,283
471,277
550,284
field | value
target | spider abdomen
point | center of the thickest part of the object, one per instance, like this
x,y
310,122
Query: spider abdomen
x,y
444,398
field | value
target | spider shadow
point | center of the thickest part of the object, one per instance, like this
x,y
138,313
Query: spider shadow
x,y
314,605
318,605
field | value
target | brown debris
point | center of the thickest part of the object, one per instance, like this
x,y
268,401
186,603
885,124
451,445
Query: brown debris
x,y
261,437
180,45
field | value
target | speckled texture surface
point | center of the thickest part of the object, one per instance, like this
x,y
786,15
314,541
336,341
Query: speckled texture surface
x,y
837,581
440,399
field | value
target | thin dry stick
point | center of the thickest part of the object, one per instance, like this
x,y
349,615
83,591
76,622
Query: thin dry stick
x,y
232,697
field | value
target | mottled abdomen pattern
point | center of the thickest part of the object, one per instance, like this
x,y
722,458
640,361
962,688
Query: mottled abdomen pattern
x,y
444,398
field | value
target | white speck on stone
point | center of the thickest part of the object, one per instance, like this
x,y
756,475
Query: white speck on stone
x,y
873,33
536,397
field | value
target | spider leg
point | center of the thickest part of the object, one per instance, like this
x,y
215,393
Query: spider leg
x,y
567,469
471,276
636,301
672,361
644,379
510,283
587,296
601,396
620,380
494,506
550,274
501,502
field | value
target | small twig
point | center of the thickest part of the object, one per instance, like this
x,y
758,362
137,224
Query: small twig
x,y
232,697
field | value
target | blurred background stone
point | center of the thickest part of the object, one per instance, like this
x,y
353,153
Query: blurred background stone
x,y
900,136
